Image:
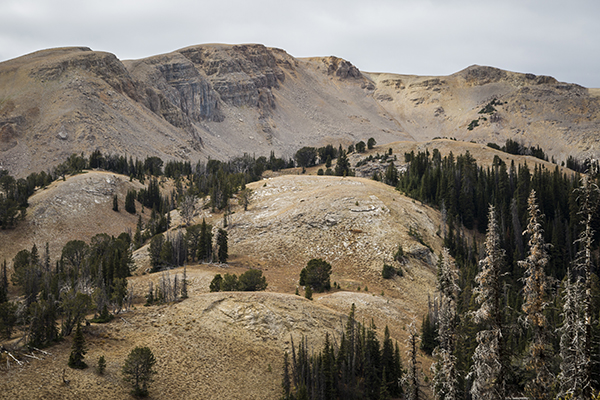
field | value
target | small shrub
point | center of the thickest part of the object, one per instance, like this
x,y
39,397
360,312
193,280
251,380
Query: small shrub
x,y
104,316
308,292
399,256
101,365
215,284
473,124
388,271
320,171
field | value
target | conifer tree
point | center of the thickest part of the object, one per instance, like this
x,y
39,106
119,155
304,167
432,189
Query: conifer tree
x,y
205,242
489,365
576,332
572,334
412,381
78,349
222,251
184,284
130,202
138,369
3,284
535,302
445,374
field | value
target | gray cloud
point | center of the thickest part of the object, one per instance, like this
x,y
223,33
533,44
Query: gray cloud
x,y
426,37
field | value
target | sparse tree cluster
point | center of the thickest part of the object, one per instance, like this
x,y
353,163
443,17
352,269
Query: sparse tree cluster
x,y
360,367
250,281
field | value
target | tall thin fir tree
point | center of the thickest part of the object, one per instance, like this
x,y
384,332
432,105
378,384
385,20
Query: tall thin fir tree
x,y
488,372
444,369
572,343
184,284
413,391
576,332
78,349
535,293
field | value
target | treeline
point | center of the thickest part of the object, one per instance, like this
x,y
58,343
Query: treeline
x,y
14,195
463,192
86,277
360,367
516,148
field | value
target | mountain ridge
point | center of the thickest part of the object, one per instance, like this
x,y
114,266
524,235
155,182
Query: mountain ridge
x,y
219,101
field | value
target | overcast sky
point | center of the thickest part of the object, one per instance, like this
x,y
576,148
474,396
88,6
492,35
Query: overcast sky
x,y
424,37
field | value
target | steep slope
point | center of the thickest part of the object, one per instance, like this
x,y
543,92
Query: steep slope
x,y
535,110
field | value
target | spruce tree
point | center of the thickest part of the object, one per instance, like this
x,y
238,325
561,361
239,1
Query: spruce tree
x,y
3,284
184,284
412,381
445,374
535,302
205,242
222,251
78,349
130,202
489,364
576,332
138,370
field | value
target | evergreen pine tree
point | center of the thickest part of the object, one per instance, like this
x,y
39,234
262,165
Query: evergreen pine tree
x,y
78,349
130,202
3,284
576,332
489,365
535,302
138,369
205,242
445,374
115,203
222,252
184,284
412,381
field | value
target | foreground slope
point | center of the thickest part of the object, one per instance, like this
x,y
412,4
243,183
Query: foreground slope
x,y
230,345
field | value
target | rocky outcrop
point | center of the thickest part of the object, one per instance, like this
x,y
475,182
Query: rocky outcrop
x,y
190,84
104,66
177,91
341,68
242,75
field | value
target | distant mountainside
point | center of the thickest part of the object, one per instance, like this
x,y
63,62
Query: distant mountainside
x,y
220,101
